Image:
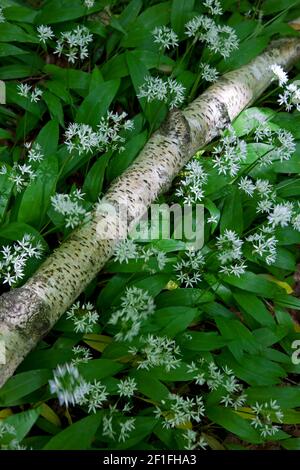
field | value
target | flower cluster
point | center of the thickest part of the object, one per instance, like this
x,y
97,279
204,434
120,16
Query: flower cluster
x,y
70,206
262,190
215,378
45,33
290,97
194,441
68,385
264,244
230,253
26,91
208,73
8,437
109,131
282,143
125,427
169,91
189,268
214,7
20,174
157,351
264,417
2,17
94,397
14,258
74,44
89,3
180,410
81,355
35,153
127,249
220,39
127,387
83,139
165,37
136,306
229,153
84,317
192,182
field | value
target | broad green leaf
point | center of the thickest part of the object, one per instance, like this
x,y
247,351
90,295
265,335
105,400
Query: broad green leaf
x,y
48,138
23,422
140,34
180,14
254,307
149,386
99,369
21,385
78,436
58,11
93,182
36,198
232,216
96,104
229,420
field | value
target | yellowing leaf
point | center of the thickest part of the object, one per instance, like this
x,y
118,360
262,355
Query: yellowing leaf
x,y
246,413
97,342
5,413
213,443
50,415
282,284
187,425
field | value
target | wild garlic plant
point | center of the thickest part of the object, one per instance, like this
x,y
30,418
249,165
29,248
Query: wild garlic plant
x,y
290,97
14,258
109,136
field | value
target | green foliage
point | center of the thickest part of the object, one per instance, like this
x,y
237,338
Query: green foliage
x,y
247,323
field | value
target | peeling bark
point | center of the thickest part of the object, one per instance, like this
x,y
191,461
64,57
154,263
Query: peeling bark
x,y
28,313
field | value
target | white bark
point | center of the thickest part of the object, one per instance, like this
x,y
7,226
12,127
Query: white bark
x,y
28,313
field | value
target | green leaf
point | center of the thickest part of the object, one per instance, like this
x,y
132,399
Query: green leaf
x,y
173,320
10,50
6,186
149,386
93,182
229,420
188,296
180,14
16,231
143,427
54,106
254,307
232,216
36,198
78,436
99,369
247,51
254,283
291,444
23,422
96,104
287,397
155,110
21,385
12,33
58,11
200,341
48,138
140,35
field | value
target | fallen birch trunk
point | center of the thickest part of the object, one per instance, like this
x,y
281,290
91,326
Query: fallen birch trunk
x,y
29,312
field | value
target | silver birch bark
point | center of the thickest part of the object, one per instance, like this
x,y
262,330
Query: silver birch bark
x,y
29,312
